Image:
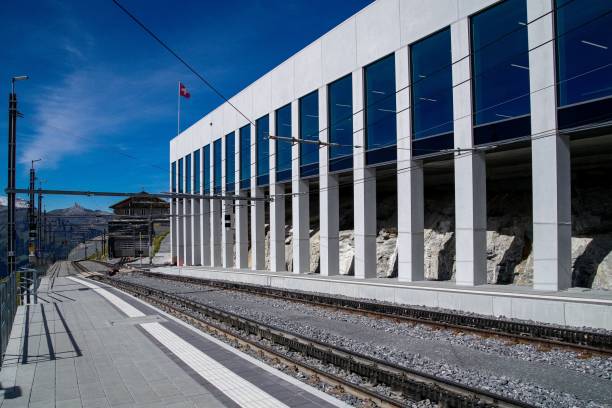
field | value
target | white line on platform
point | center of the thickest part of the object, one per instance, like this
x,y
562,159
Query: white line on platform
x,y
121,304
235,387
251,403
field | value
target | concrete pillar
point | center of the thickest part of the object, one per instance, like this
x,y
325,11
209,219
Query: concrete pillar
x,y
410,199
551,168
470,170
215,217
227,233
205,232
241,218
300,211
188,232
196,220
180,229
257,212
329,210
172,217
364,190
277,209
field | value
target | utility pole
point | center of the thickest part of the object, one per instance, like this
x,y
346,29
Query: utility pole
x,y
32,217
12,147
39,235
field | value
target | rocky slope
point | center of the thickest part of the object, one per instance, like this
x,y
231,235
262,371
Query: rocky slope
x,y
509,235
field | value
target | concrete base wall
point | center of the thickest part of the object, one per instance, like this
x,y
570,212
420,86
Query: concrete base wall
x,y
579,308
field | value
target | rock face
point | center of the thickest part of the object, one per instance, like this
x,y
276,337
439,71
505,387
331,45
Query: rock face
x,y
509,236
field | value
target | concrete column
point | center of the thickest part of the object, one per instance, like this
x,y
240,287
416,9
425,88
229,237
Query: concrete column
x,y
205,232
551,168
241,218
277,209
187,218
215,217
364,190
257,212
470,170
410,199
180,229
300,212
227,233
195,210
188,233
329,210
172,218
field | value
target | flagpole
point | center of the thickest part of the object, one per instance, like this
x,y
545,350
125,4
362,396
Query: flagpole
x,y
178,113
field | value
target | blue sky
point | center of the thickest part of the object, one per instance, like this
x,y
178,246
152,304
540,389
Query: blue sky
x,y
100,105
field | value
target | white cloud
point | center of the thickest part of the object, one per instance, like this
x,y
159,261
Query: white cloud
x,y
87,107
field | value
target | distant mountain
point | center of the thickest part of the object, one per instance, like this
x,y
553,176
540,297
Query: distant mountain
x,y
66,228
19,202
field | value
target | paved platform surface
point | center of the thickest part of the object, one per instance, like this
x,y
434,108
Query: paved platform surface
x,y
573,307
88,345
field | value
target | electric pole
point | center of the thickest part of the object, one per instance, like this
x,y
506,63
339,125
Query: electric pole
x,y
32,217
12,147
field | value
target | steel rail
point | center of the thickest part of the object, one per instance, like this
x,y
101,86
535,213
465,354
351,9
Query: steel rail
x,y
532,332
414,385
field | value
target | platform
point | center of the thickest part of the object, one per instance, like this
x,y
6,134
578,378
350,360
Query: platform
x,y
573,307
89,345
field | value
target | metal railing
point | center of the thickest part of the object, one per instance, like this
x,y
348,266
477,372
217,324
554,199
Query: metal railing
x,y
8,308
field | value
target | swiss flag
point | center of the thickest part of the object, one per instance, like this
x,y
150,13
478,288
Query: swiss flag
x,y
183,91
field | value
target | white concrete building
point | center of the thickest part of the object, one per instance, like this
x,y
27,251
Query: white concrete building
x,y
397,87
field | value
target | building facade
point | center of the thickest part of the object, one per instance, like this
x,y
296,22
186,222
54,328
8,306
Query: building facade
x,y
400,85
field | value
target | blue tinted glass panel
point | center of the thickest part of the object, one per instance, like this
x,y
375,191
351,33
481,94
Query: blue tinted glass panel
x,y
217,165
309,130
432,86
181,181
173,177
381,128
206,165
230,161
245,156
500,62
262,129
196,172
340,126
188,170
584,50
283,147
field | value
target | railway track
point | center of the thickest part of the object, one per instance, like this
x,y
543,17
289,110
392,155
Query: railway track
x,y
580,340
408,385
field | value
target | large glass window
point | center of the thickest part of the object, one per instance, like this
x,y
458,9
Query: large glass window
x,y
381,130
262,129
188,169
584,56
181,181
217,165
500,61
340,126
173,177
283,147
245,157
309,130
432,93
230,160
196,172
206,165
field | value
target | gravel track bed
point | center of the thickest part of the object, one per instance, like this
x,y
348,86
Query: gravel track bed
x,y
248,304
304,377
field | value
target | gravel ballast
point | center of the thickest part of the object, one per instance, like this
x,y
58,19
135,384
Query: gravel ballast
x,y
542,377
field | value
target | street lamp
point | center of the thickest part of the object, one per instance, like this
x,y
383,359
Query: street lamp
x,y
12,145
